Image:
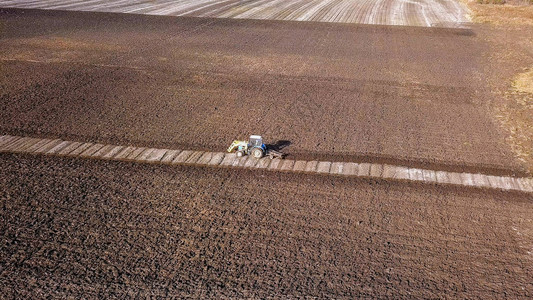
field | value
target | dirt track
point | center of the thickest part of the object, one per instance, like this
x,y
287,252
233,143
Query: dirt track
x,y
93,228
398,95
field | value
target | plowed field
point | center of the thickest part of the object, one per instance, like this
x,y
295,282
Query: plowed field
x,y
101,229
411,96
440,13
83,228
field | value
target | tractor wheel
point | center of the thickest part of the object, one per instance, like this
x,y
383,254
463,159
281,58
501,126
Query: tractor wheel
x,y
239,153
257,153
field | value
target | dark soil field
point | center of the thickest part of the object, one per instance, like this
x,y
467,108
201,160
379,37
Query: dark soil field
x,y
97,229
74,228
400,95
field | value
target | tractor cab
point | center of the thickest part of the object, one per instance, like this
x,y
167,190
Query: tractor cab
x,y
255,141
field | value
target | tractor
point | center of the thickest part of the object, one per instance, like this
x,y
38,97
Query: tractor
x,y
253,147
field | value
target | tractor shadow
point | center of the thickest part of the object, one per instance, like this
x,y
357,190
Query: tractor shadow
x,y
279,145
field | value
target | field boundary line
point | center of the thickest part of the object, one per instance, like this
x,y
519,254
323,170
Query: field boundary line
x,y
58,147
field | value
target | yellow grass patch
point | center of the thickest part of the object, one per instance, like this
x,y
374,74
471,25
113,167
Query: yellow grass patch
x,y
516,113
517,117
501,14
524,82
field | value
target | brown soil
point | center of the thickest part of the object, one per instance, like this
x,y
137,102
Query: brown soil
x,y
412,96
94,229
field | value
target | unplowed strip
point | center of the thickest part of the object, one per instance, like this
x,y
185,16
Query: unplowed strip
x,y
157,155
27,144
113,152
142,154
169,156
